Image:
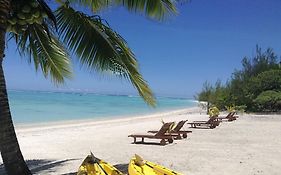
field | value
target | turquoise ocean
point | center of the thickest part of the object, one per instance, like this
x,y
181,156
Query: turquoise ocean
x,y
29,107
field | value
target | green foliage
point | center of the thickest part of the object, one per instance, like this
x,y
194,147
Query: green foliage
x,y
35,28
230,108
46,52
205,94
214,111
268,101
258,74
157,9
241,108
268,80
106,51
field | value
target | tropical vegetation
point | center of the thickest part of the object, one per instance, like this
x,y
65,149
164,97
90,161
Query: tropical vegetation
x,y
256,87
214,111
47,38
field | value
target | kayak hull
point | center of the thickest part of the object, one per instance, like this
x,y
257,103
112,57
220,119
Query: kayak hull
x,y
97,167
148,168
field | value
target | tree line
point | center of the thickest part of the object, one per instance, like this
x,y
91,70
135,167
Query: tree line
x,y
254,88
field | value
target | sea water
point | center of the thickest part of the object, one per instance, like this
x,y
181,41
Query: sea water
x,y
37,106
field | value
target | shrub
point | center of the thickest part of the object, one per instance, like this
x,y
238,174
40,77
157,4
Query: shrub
x,y
214,111
268,101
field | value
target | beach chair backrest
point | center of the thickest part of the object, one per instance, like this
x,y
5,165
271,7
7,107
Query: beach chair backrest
x,y
179,126
211,120
232,114
229,115
165,127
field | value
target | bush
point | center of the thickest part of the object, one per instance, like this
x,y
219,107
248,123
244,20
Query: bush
x,y
268,101
256,87
241,108
214,111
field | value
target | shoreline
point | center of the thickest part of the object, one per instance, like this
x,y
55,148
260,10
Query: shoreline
x,y
101,120
237,146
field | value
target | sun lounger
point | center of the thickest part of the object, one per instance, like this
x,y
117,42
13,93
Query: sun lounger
x,y
211,123
230,117
161,134
177,132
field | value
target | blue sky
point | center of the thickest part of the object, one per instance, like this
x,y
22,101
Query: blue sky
x,y
205,41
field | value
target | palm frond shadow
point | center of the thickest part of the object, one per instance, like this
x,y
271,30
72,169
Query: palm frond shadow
x,y
38,165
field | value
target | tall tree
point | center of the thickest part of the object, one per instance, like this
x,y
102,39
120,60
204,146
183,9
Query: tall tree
x,y
206,94
48,37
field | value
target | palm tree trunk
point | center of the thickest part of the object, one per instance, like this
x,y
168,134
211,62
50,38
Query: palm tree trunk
x,y
9,147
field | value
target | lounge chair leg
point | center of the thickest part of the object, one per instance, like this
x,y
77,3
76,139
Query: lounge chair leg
x,y
178,137
135,140
163,142
142,140
170,140
184,135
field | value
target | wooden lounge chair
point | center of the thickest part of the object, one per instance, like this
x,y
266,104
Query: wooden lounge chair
x,y
177,132
230,117
161,134
211,123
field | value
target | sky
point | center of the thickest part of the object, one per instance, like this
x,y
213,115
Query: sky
x,y
206,41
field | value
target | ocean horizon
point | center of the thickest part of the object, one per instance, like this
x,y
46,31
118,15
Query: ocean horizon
x,y
31,107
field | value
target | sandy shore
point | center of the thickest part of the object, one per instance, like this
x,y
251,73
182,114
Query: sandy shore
x,y
250,145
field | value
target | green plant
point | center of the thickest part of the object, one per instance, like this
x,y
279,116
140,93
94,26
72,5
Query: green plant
x,y
47,37
230,108
268,101
214,111
241,108
244,90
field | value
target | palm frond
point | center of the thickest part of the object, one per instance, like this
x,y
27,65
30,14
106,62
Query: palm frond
x,y
100,48
158,9
48,11
46,52
94,5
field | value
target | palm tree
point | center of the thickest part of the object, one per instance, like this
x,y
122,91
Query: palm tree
x,y
47,38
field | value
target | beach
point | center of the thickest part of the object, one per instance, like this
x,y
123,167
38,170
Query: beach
x,y
249,145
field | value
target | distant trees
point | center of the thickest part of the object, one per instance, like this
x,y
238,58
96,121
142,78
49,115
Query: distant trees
x,y
257,87
206,94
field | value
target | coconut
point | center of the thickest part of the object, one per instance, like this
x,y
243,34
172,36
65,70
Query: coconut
x,y
22,22
30,21
36,14
34,4
39,20
12,21
21,16
28,16
26,9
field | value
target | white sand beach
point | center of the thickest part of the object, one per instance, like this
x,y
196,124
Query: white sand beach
x,y
247,146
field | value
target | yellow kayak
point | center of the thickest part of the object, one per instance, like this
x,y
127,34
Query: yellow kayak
x,y
94,166
138,166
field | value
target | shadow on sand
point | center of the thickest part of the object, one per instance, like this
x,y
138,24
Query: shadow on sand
x,y
122,167
42,165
